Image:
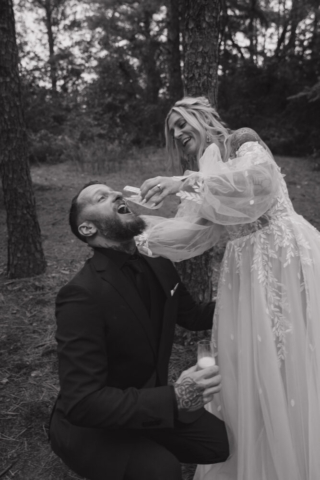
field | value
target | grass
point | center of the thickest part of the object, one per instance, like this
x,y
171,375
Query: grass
x,y
28,364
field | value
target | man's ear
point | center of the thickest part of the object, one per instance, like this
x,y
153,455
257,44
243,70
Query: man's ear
x,y
87,229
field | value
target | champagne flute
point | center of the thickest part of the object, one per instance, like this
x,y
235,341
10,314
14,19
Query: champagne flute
x,y
205,354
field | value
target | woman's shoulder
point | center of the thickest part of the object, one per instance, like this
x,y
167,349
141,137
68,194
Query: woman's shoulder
x,y
243,135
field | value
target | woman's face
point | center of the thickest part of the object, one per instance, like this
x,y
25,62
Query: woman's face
x,y
184,134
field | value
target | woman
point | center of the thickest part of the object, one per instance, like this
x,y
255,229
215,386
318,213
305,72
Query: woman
x,y
266,327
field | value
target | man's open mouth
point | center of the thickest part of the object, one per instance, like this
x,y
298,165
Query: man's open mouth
x,y
123,209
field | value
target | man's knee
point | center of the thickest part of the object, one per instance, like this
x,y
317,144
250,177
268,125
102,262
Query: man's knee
x,y
220,448
212,445
153,462
221,453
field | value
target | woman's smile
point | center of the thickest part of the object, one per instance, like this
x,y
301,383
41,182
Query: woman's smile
x,y
184,134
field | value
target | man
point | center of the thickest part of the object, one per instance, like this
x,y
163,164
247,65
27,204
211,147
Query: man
x,y
115,417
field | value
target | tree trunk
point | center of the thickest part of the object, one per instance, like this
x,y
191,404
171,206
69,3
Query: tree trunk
x,y
201,48
298,13
52,61
251,32
201,72
174,65
25,254
314,44
223,36
153,78
281,39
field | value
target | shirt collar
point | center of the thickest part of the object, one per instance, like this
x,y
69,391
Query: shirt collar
x,y
116,256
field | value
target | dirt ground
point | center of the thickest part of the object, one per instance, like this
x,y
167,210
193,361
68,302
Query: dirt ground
x,y
28,364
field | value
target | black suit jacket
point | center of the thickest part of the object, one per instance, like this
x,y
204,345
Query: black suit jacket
x,y
113,375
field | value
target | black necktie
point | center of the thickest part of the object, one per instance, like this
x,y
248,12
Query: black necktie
x,y
141,282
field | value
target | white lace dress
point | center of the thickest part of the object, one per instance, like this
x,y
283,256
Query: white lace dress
x,y
266,326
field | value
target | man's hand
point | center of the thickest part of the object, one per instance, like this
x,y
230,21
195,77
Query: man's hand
x,y
194,388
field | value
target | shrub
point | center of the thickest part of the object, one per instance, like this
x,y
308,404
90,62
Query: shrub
x,y
98,156
46,147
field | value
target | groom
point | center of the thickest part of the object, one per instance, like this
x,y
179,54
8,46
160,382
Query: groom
x,y
116,417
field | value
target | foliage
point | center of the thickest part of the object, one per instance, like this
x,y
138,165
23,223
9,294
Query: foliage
x,y
45,147
312,93
260,98
113,66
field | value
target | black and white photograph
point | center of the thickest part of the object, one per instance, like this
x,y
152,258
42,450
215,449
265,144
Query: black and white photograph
x,y
159,240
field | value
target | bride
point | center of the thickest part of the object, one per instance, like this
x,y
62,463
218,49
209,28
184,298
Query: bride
x,y
266,327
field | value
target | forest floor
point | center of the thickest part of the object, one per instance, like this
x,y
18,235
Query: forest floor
x,y
28,364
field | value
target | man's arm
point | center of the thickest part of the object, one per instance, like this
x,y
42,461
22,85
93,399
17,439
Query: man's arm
x,y
87,399
191,314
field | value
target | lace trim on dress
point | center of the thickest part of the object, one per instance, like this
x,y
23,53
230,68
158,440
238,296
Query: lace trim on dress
x,y
294,246
142,242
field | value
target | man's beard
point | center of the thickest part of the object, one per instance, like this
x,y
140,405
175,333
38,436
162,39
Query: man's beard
x,y
113,228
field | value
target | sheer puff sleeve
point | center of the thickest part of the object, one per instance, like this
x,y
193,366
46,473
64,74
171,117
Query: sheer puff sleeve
x,y
178,238
237,191
222,193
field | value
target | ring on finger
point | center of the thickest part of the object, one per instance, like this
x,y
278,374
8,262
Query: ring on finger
x,y
159,187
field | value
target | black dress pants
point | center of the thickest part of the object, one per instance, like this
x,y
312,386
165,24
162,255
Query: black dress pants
x,y
142,454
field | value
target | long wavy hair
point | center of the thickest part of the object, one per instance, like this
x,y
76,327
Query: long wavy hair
x,y
198,113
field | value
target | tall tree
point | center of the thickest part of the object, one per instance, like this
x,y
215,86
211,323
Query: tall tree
x,y
131,32
25,254
150,54
201,78
175,86
201,48
52,10
315,44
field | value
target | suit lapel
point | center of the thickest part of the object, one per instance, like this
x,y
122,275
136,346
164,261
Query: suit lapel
x,y
112,274
168,280
161,274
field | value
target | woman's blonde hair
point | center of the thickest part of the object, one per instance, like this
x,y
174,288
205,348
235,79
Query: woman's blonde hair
x,y
198,113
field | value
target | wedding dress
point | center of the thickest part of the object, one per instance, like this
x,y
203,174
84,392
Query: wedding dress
x,y
266,327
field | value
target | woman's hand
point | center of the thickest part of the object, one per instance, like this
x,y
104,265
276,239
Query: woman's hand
x,y
158,188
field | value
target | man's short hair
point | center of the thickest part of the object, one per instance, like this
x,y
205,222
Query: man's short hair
x,y
76,209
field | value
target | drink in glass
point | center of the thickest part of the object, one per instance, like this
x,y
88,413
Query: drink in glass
x,y
205,354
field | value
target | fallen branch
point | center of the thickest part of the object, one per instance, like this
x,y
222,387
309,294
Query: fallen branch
x,y
7,469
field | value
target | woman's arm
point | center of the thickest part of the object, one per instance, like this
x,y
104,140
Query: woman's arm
x,y
178,238
238,191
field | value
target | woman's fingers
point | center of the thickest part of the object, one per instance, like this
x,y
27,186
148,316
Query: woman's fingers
x,y
158,188
155,193
149,185
155,199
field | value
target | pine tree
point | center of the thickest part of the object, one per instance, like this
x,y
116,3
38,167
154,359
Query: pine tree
x,y
200,73
25,254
